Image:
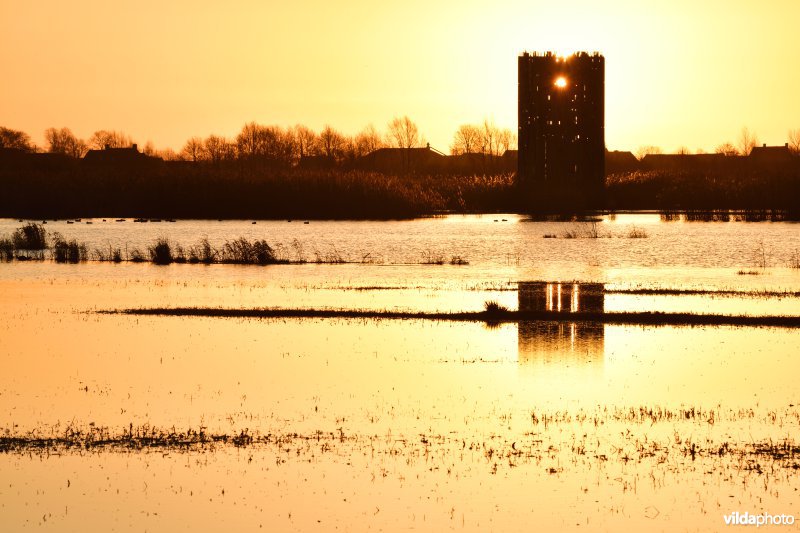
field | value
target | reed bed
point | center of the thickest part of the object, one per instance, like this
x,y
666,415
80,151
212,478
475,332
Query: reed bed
x,y
68,251
239,251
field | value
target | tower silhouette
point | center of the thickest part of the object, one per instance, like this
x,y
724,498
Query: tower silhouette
x,y
561,161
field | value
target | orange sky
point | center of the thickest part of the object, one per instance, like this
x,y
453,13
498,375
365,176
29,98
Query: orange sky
x,y
678,73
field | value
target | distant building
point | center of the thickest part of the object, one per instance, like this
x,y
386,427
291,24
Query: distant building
x,y
121,161
618,161
562,125
403,160
777,156
118,156
690,162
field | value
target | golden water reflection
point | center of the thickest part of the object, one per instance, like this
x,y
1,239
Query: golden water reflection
x,y
561,343
561,297
448,418
566,343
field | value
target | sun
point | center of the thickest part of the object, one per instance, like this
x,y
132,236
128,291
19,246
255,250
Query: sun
x,y
561,82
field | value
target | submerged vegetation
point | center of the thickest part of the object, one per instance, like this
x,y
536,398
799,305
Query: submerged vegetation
x,y
161,252
493,313
68,251
30,237
240,251
492,307
653,435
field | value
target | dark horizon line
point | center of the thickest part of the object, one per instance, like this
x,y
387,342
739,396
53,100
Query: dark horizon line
x,y
491,317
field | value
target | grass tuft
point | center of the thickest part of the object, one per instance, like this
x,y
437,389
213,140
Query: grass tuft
x,y
492,307
637,233
68,251
6,249
161,252
30,237
244,252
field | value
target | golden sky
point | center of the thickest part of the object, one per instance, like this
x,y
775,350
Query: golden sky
x,y
678,73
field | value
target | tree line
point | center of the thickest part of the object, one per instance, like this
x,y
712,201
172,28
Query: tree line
x,y
289,144
745,143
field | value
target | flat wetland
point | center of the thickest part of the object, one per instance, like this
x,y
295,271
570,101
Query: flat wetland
x,y
338,395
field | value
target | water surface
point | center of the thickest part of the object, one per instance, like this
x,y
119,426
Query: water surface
x,y
378,424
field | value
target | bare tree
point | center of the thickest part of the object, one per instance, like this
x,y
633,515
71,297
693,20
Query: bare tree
x,y
217,148
794,141
306,140
194,150
467,140
250,141
331,142
150,149
683,150
747,141
726,149
286,148
265,143
403,133
350,148
63,141
489,138
168,154
647,150
16,139
109,138
506,140
367,141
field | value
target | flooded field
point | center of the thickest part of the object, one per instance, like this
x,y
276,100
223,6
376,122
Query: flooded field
x,y
139,422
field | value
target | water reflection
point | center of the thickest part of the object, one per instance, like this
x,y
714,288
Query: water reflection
x,y
728,216
571,343
580,343
561,297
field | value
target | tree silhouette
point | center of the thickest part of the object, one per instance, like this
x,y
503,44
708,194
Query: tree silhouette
x,y
506,140
747,141
265,143
250,141
367,140
16,139
194,150
217,149
331,142
647,150
112,139
403,133
467,140
794,141
726,149
305,140
489,138
63,141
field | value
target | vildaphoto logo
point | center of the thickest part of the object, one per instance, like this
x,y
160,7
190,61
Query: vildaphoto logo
x,y
764,519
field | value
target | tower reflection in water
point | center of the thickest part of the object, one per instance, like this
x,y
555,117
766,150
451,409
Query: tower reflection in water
x,y
561,342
